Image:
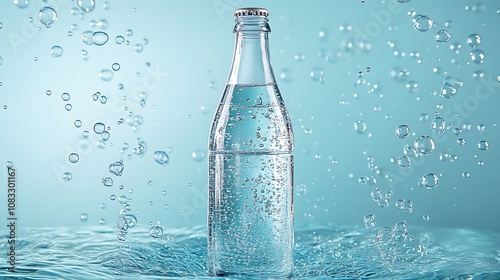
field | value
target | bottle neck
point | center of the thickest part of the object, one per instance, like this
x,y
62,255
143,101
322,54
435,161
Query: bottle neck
x,y
251,60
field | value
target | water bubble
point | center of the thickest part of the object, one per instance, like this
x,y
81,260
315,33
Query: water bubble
x,y
156,231
107,181
198,155
116,168
429,181
99,38
103,24
482,145
461,141
99,128
412,86
422,23
84,217
404,162
161,157
450,87
68,107
87,37
73,157
56,51
402,131
360,127
425,217
21,3
119,40
129,32
442,36
115,66
67,176
369,221
122,224
105,135
477,56
86,5
122,199
317,74
102,221
85,134
438,124
424,144
405,205
106,74
473,40
286,75
457,131
9,164
466,174
104,99
138,48
65,96
1,60
47,16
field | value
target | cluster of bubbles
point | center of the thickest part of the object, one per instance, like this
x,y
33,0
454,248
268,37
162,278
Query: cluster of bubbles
x,y
380,198
405,205
397,246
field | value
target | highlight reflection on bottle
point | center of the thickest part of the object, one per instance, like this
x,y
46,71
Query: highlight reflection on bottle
x,y
250,215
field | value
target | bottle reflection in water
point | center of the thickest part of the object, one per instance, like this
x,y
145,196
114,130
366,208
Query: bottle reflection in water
x,y
250,219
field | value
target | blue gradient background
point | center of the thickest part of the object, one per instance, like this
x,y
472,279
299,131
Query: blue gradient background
x,y
189,52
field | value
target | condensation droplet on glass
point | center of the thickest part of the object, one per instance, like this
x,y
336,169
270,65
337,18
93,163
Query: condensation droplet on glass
x,y
402,131
477,56
106,75
47,16
161,157
429,181
56,51
73,157
86,5
422,23
442,36
99,38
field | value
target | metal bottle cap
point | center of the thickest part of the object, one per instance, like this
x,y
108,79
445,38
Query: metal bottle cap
x,y
251,12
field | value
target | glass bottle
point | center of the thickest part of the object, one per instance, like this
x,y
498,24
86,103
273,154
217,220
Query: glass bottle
x,y
250,212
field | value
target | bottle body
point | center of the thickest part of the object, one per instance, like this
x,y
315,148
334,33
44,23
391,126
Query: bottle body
x,y
250,215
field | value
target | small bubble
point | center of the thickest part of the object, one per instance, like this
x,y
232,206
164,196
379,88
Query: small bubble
x,y
22,4
84,53
112,197
404,162
68,107
119,40
317,74
116,168
105,135
477,56
422,23
438,124
442,36
161,157
65,96
106,74
402,131
466,174
86,5
48,92
115,66
102,221
103,24
107,181
104,99
405,205
73,157
285,75
457,131
360,127
482,145
412,86
47,16
425,217
369,221
129,32
424,144
9,164
473,40
99,128
156,231
99,38
450,87
67,176
429,181
56,51
198,155
299,57
481,128
461,141
84,217
138,48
